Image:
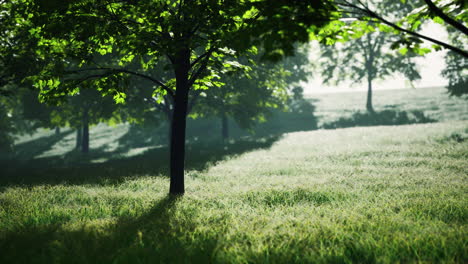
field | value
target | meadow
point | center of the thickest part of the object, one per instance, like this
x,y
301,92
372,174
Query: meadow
x,y
433,102
382,194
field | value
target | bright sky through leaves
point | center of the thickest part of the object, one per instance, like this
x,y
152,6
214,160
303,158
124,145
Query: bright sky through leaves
x,y
430,68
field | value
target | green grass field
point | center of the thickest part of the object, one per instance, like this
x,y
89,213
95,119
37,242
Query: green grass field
x,y
385,194
433,102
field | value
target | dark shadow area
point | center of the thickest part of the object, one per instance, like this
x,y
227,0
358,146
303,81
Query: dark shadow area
x,y
208,130
33,148
157,236
76,168
454,138
382,118
144,151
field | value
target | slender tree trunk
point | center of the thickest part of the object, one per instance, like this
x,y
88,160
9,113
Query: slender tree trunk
x,y
79,137
85,139
369,106
57,130
370,76
177,148
224,127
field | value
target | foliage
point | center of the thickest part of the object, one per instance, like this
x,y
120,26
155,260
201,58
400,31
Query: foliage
x,y
370,56
136,36
365,17
249,97
456,70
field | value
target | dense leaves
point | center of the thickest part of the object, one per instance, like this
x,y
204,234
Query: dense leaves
x,y
178,46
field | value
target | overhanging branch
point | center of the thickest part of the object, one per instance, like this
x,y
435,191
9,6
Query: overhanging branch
x,y
117,70
437,11
367,12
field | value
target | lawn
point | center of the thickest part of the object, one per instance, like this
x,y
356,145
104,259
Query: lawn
x,y
383,194
434,103
378,194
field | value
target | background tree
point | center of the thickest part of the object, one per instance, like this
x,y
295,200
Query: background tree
x,y
250,97
84,110
366,58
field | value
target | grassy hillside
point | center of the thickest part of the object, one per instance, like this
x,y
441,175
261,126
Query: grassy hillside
x,y
434,103
379,194
116,141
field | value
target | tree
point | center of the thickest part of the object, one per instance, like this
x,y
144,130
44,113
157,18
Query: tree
x,y
188,37
249,97
369,57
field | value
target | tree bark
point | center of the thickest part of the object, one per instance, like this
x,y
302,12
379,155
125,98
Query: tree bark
x,y
370,76
224,127
85,139
57,130
369,106
177,148
79,137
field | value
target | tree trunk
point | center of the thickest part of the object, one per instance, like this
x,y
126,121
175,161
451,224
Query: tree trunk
x,y
370,75
369,106
177,148
224,127
85,139
57,131
79,137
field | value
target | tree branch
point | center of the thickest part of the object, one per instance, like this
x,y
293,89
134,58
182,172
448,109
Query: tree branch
x,y
202,56
200,70
437,11
443,44
366,11
92,76
113,70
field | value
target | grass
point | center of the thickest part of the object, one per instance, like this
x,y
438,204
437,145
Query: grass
x,y
350,195
384,194
434,103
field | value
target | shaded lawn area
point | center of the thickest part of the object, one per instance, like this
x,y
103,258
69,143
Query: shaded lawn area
x,y
367,195
77,168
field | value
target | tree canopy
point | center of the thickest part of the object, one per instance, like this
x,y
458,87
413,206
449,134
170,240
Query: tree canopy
x,y
100,44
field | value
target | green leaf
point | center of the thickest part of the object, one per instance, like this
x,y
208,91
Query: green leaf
x,y
403,51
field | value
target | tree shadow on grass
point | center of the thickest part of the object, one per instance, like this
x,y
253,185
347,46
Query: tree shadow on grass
x,y
33,148
208,130
161,235
382,118
76,168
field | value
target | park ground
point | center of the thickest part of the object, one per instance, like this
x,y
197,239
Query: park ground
x,y
369,194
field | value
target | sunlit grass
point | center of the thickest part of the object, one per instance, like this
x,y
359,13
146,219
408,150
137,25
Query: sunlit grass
x,y
434,103
379,194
